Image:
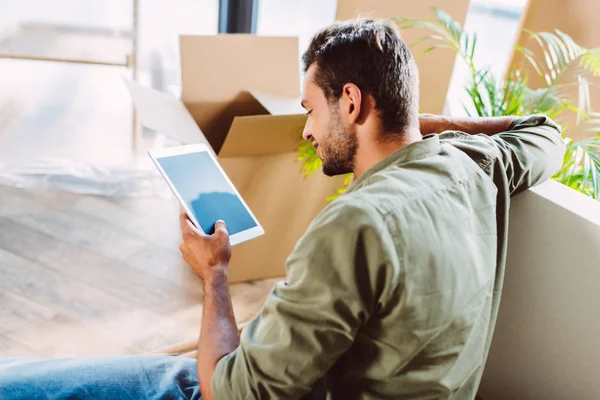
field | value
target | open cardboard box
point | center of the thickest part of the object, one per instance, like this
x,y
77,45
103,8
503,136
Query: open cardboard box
x,y
241,96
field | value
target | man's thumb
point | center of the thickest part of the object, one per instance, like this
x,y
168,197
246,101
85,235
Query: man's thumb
x,y
220,225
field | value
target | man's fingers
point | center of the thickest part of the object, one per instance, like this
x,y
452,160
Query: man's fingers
x,y
187,227
184,252
183,220
220,226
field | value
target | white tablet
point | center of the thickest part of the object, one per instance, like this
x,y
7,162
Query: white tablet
x,y
205,192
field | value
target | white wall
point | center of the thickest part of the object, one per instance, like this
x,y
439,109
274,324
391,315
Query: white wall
x,y
547,340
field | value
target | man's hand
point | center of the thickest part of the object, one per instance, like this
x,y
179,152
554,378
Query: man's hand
x,y
208,256
430,123
205,254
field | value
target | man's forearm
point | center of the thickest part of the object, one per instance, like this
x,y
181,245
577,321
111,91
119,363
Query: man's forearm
x,y
219,335
430,123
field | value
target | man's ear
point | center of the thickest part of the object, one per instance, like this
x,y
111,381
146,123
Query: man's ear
x,y
350,103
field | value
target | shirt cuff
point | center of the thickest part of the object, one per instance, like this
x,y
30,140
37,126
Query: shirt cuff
x,y
222,384
533,120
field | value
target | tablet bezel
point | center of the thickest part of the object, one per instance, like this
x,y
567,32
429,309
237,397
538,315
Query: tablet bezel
x,y
199,148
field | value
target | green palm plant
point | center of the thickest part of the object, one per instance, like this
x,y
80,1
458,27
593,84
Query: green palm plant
x,y
562,66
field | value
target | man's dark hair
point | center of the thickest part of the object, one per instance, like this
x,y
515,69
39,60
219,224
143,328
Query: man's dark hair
x,y
370,54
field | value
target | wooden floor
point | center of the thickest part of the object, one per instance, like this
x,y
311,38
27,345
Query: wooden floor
x,y
85,275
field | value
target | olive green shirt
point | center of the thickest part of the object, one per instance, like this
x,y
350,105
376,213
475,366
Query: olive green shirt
x,y
393,291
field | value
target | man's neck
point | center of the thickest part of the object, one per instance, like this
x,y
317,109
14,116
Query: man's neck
x,y
373,151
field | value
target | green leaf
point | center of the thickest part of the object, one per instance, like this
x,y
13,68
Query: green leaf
x,y
572,47
529,56
437,46
348,179
408,23
308,156
581,166
448,32
466,110
339,192
590,60
474,42
587,163
596,179
424,38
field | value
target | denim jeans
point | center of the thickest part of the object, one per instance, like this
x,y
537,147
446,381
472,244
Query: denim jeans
x,y
118,377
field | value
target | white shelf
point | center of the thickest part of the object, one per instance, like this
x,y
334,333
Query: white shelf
x,y
45,42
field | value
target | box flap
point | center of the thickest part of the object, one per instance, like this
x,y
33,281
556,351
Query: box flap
x,y
218,116
263,134
278,105
164,114
217,72
216,68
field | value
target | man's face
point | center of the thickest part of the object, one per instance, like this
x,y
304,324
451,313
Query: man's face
x,y
336,144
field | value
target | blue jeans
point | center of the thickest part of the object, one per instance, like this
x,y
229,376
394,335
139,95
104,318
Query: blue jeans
x,y
118,377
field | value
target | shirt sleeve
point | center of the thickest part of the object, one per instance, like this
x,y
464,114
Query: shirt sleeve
x,y
530,152
308,322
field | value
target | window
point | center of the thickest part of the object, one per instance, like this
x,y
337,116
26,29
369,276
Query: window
x,y
294,18
83,111
496,24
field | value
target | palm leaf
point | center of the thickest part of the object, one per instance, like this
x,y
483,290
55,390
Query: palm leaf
x,y
590,60
307,154
435,46
581,166
447,34
559,52
561,55
347,181
449,25
530,56
514,94
491,97
424,38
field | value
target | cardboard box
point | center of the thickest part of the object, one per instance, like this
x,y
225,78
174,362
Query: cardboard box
x,y
241,96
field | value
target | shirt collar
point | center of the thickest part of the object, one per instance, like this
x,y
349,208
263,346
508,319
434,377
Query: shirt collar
x,y
429,146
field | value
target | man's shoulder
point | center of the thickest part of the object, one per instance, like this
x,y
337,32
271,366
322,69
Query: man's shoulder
x,y
351,210
355,204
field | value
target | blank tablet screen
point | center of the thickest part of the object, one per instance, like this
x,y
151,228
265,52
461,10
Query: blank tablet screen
x,y
206,191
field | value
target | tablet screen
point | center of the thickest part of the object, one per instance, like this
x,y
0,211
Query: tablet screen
x,y
206,191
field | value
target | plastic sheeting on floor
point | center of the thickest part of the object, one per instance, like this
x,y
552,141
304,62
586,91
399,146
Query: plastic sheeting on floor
x,y
139,178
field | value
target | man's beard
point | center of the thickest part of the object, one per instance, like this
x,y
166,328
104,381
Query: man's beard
x,y
339,149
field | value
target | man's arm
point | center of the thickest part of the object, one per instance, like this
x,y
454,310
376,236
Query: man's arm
x,y
209,257
306,323
516,152
337,274
430,123
219,335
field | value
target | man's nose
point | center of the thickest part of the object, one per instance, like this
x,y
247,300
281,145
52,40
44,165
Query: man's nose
x,y
306,134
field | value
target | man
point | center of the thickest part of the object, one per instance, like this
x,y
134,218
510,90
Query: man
x,y
393,291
